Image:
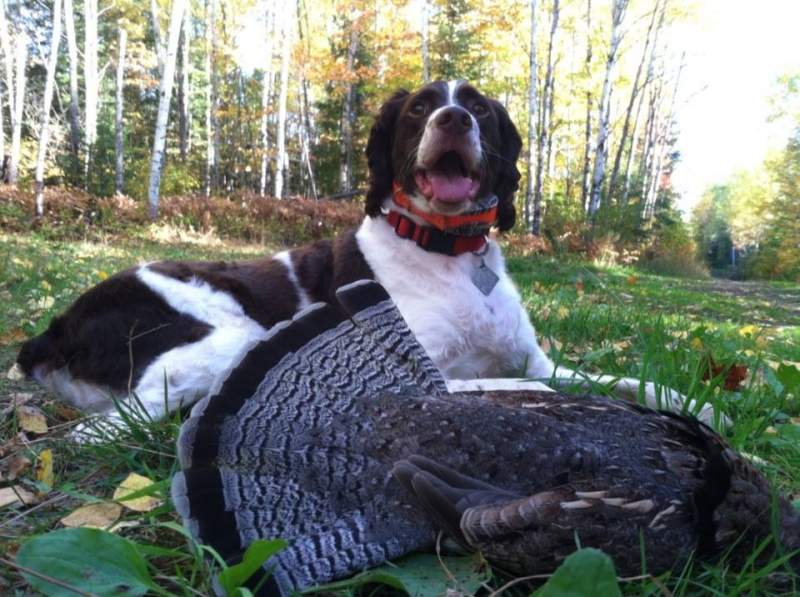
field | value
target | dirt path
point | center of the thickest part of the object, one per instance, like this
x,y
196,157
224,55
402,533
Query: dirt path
x,y
785,298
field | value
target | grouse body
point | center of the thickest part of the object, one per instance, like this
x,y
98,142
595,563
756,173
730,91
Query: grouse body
x,y
337,434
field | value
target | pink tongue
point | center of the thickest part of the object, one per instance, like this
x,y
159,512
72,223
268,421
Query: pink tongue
x,y
451,189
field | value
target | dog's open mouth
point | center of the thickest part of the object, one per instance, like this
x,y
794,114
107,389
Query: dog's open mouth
x,y
449,180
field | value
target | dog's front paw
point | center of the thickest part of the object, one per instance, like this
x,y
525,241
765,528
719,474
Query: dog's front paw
x,y
672,400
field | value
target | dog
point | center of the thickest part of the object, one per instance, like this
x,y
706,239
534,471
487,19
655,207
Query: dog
x,y
442,172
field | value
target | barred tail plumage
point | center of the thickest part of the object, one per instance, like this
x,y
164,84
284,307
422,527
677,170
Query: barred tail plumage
x,y
242,447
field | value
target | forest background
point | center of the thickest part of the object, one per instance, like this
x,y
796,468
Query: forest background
x,y
142,102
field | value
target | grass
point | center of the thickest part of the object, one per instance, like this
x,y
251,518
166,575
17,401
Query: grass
x,y
616,320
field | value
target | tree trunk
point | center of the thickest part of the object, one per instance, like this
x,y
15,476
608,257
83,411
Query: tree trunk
x,y
44,135
604,114
533,119
426,59
212,126
651,134
266,95
635,90
281,158
91,83
587,140
348,115
155,24
661,147
185,89
119,147
164,97
72,51
544,124
21,57
8,62
305,117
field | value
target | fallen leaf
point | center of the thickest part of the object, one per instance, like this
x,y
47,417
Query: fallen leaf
x,y
696,343
17,399
132,484
15,373
17,465
562,312
632,279
103,275
93,516
733,375
31,419
13,336
44,467
579,287
15,495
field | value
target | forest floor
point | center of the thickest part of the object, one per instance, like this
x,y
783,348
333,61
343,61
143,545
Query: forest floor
x,y
731,343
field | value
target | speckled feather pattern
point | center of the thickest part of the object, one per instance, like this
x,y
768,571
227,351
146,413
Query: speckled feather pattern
x,y
348,446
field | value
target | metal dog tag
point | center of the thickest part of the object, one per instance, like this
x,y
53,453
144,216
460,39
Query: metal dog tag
x,y
484,278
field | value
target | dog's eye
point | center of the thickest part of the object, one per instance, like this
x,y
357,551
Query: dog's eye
x,y
480,109
418,108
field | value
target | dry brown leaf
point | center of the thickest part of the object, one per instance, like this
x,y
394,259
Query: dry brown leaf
x,y
15,373
44,467
31,419
17,465
133,483
93,516
15,495
13,336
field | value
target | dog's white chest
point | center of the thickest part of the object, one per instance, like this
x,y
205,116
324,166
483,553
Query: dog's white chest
x,y
467,333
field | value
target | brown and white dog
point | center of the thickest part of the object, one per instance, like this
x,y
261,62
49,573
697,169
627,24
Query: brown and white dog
x,y
442,165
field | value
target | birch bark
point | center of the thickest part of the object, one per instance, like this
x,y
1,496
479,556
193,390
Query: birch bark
x,y
281,158
72,51
604,114
348,114
266,95
44,135
20,59
164,97
91,84
587,137
119,140
533,119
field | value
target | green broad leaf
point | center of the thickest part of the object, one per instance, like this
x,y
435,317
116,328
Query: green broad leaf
x,y
789,376
420,575
233,577
586,573
91,560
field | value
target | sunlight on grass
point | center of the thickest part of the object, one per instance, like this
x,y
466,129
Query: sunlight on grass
x,y
616,320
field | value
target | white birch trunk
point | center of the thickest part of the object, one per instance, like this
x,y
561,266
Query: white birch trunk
x,y
185,124
72,51
212,129
155,24
119,140
281,159
635,90
8,63
587,139
346,158
543,140
533,119
21,57
44,135
604,114
164,97
266,96
426,59
91,83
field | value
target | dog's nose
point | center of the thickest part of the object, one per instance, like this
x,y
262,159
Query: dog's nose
x,y
454,120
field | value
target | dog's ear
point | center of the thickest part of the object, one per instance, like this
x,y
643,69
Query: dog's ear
x,y
379,153
507,178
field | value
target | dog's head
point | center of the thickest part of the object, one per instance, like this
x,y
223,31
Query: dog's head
x,y
447,145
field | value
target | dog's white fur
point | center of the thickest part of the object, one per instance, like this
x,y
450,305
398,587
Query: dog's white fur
x,y
477,341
